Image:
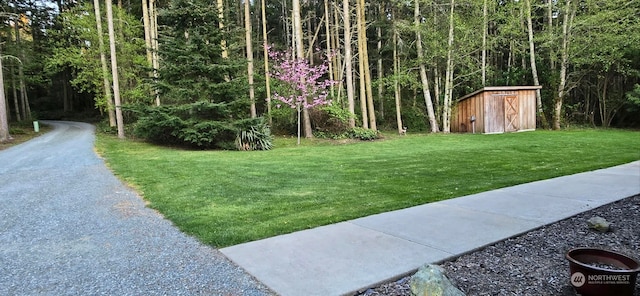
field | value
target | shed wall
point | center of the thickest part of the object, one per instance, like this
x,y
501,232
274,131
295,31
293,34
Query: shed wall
x,y
473,106
527,109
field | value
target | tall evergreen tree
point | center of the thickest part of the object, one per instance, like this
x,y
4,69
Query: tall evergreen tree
x,y
193,68
204,92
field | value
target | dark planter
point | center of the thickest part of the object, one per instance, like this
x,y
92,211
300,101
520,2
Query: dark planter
x,y
597,272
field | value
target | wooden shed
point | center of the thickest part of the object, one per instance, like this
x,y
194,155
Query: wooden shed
x,y
496,109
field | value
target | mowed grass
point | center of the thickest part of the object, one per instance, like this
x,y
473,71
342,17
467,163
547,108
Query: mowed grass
x,y
230,197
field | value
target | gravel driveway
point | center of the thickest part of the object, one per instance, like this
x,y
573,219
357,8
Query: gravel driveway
x,y
69,227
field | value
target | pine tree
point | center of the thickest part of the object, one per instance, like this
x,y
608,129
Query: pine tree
x,y
193,68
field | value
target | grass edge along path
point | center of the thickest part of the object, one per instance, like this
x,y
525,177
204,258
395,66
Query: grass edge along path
x,y
22,132
230,197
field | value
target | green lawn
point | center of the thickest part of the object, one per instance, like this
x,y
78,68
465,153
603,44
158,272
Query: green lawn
x,y
229,197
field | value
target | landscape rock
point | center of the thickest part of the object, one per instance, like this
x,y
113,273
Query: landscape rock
x,y
598,223
430,280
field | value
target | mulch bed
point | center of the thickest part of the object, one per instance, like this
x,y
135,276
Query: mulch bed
x,y
534,263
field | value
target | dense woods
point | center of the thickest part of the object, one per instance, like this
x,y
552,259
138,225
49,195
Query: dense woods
x,y
197,73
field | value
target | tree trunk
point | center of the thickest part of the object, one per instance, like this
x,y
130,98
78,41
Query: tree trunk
x,y
267,76
437,82
484,42
4,122
437,93
103,63
602,100
423,71
223,43
310,38
396,87
23,89
534,68
509,60
448,83
327,31
380,69
552,57
147,30
297,23
362,79
153,30
364,55
564,60
66,99
114,71
247,36
15,95
338,67
347,60
147,20
523,27
285,24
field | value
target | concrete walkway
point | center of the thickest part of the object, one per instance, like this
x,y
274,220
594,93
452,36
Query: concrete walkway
x,y
351,256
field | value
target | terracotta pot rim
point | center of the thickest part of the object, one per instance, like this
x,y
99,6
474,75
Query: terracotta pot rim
x,y
601,252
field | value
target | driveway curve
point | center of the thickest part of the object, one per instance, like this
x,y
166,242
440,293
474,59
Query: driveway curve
x,y
69,227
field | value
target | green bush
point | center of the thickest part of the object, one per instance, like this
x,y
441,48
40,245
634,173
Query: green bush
x,y
363,134
285,121
332,136
415,119
159,125
200,125
330,119
208,134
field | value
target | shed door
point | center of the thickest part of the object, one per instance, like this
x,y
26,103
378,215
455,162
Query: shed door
x,y
511,111
494,114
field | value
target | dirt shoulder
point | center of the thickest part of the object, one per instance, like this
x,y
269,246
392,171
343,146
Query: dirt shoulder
x,y
22,132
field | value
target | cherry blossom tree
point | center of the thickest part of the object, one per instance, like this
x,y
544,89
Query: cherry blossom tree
x,y
304,84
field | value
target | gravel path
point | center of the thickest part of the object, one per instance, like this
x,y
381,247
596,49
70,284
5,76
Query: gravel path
x,y
69,227
533,263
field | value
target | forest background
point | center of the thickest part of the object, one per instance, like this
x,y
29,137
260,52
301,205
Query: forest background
x,y
197,73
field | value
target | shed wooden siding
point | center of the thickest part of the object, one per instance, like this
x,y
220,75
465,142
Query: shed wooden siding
x,y
497,110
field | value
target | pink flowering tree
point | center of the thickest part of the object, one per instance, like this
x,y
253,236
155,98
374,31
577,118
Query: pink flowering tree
x,y
304,87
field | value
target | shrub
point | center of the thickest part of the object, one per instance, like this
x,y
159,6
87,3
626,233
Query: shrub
x,y
209,134
200,125
159,125
415,119
332,136
363,134
330,119
284,121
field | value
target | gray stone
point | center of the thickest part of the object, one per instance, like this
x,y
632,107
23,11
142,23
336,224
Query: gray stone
x,y
430,280
599,224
